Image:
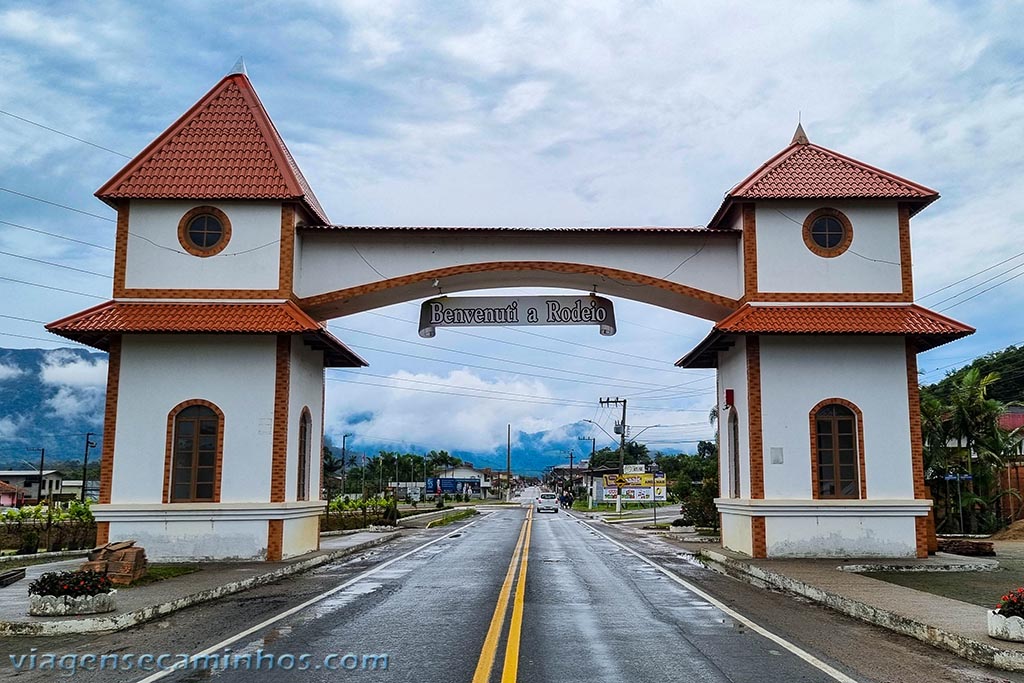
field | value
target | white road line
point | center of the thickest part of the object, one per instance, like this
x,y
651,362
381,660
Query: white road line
x,y
288,612
835,674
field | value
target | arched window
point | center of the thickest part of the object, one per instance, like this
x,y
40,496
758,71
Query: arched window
x,y
734,453
837,446
194,453
305,425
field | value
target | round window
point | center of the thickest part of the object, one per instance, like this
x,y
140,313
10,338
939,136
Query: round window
x,y
204,231
827,232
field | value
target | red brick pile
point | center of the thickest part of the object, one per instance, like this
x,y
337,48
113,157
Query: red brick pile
x,y
121,561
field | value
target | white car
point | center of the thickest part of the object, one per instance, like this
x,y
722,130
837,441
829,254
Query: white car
x,y
547,501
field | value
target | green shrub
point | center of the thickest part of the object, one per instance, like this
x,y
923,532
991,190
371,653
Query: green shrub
x,y
72,584
682,521
1012,604
29,543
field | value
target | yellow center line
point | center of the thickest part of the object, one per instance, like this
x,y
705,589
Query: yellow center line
x,y
510,672
487,654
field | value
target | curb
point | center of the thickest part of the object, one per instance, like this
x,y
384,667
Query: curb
x,y
962,646
55,555
123,621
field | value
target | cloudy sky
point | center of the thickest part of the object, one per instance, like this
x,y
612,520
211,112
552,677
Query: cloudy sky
x,y
522,113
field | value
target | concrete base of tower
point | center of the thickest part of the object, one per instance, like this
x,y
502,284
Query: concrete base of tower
x,y
175,532
824,528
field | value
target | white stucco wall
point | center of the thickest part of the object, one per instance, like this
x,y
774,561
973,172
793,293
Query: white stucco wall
x,y
158,372
785,264
337,260
732,374
736,533
305,389
169,266
798,372
300,536
196,540
840,536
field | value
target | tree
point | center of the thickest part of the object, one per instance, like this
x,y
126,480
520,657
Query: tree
x,y
973,417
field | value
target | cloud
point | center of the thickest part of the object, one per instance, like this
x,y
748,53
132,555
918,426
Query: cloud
x,y
80,385
64,368
9,372
11,425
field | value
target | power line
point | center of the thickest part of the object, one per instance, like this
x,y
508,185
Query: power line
x,y
480,355
49,341
56,289
53,234
974,296
973,275
62,206
60,132
56,265
538,348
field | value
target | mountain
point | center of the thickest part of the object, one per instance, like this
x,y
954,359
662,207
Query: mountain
x,y
49,398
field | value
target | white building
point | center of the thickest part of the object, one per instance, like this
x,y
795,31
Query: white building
x,y
226,266
28,482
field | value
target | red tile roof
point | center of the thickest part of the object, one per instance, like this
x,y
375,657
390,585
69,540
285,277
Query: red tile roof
x,y
902,319
8,488
807,171
224,147
95,326
926,328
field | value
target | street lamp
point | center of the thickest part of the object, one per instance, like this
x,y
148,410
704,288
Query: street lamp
x,y
613,438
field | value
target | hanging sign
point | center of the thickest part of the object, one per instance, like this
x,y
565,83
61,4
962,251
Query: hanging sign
x,y
487,311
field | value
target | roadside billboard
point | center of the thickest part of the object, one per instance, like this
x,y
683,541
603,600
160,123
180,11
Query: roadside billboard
x,y
638,487
452,485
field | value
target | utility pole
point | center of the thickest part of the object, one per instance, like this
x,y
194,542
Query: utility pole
x,y
508,462
593,451
622,444
344,465
85,462
39,496
570,471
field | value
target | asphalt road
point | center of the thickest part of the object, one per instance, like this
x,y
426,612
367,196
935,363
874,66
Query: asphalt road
x,y
588,611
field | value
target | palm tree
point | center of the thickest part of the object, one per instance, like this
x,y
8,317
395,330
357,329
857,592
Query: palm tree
x,y
973,417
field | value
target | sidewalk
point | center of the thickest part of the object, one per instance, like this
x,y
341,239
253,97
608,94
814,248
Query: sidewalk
x,y
953,625
136,605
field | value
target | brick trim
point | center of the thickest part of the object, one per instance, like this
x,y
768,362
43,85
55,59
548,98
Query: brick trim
x,y
862,477
169,446
916,441
139,293
110,419
279,455
755,436
275,540
194,249
327,298
829,297
121,248
827,252
759,538
906,261
102,533
750,287
921,536
286,270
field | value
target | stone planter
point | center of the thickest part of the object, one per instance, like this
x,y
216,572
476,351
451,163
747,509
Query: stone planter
x,y
1005,628
60,606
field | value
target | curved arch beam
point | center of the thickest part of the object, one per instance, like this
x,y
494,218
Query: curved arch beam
x,y
499,274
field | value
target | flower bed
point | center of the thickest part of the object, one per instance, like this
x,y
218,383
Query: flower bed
x,y
68,593
1006,621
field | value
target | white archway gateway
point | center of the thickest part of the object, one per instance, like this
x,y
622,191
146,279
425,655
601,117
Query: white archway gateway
x,y
226,266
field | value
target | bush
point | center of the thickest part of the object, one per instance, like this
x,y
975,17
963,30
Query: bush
x,y
682,521
72,584
1012,604
29,543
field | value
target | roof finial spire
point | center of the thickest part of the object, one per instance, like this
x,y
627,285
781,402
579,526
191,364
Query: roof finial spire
x,y
799,137
239,68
